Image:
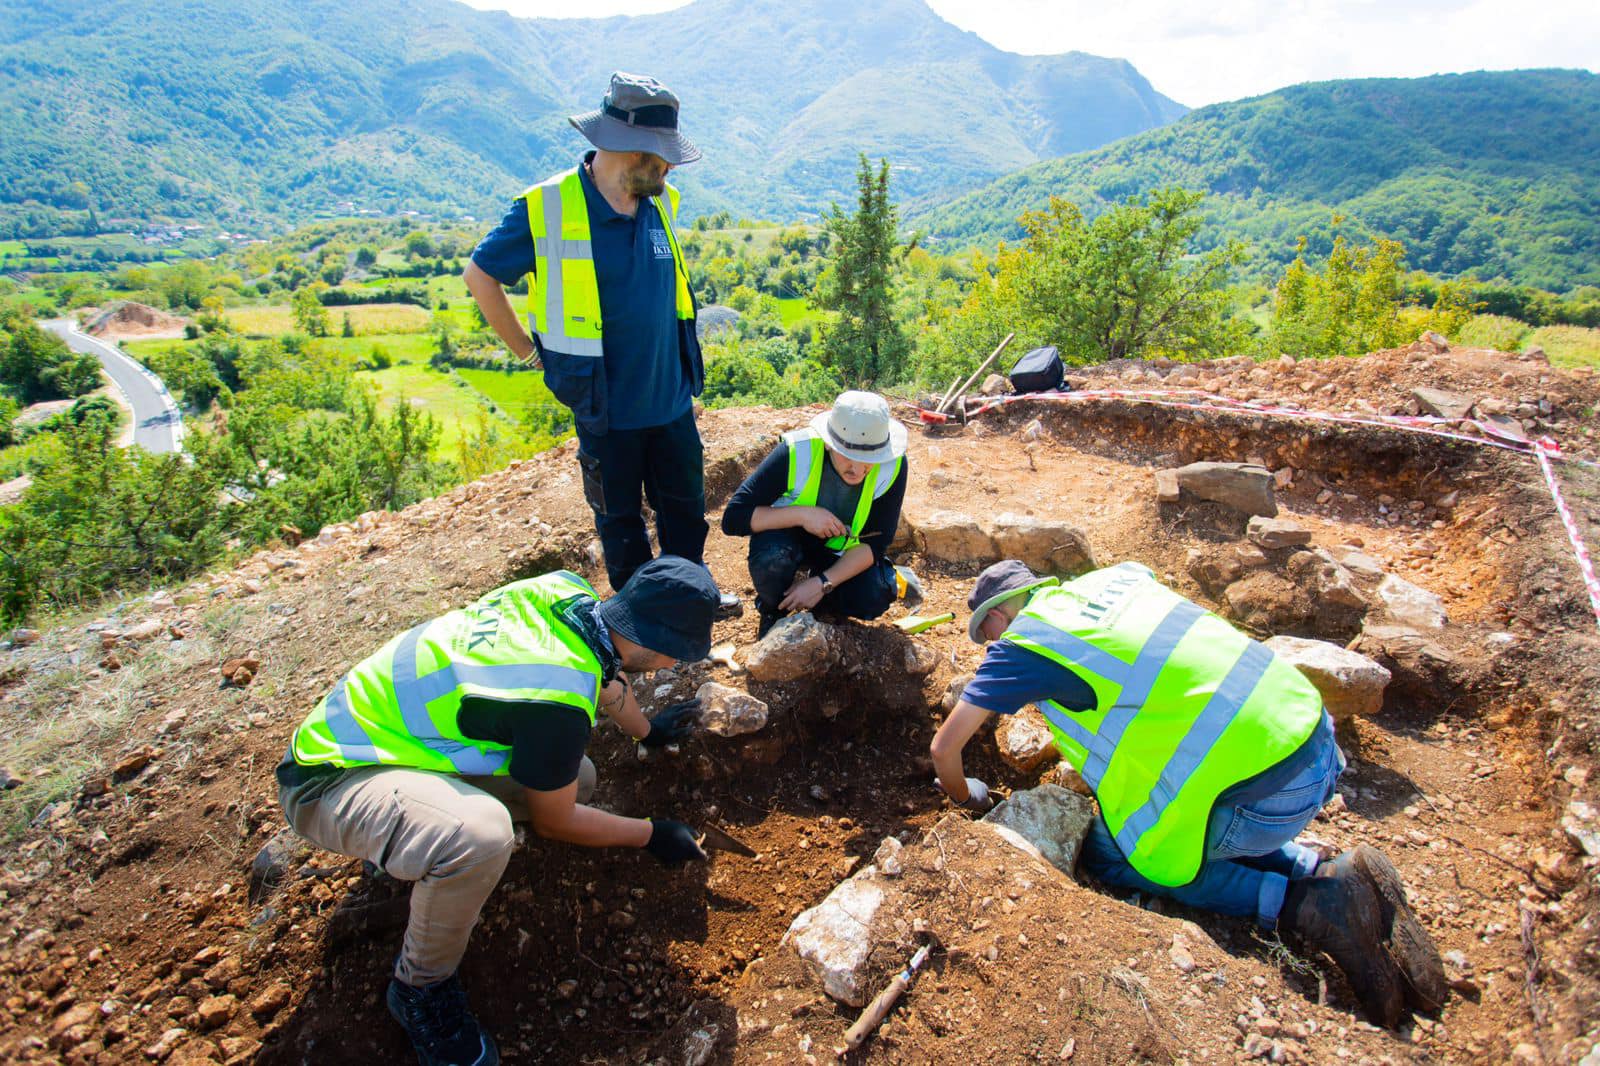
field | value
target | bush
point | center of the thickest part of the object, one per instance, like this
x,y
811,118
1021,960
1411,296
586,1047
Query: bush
x,y
1493,331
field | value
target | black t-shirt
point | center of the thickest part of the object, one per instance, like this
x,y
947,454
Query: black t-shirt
x,y
771,478
547,740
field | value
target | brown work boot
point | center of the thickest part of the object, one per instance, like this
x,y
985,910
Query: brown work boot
x,y
1413,949
1338,915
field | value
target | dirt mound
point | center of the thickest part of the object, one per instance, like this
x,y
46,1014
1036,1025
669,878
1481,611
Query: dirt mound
x,y
129,319
143,772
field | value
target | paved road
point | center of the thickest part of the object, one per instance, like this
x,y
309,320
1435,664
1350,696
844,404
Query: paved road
x,y
157,425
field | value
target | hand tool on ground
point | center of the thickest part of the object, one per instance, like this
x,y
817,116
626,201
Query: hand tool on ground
x,y
714,839
945,405
915,623
883,1003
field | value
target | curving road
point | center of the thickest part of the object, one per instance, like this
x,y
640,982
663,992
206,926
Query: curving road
x,y
157,424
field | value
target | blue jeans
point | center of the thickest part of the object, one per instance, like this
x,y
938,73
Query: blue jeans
x,y
1250,853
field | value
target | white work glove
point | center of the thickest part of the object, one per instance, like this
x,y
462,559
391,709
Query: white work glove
x,y
977,795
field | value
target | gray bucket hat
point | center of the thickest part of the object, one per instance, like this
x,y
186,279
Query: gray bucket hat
x,y
638,114
997,584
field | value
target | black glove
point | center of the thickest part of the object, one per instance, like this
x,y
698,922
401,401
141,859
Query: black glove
x,y
672,724
673,842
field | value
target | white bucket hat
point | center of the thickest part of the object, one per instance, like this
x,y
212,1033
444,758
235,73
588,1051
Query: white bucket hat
x,y
861,428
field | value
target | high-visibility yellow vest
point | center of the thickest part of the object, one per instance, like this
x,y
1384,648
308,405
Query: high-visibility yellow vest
x,y
564,317
398,707
807,454
1186,708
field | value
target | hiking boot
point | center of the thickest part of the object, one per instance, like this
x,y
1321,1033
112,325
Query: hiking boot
x,y
1338,915
1408,942
442,1030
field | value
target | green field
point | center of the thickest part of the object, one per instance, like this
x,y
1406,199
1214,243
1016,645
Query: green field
x,y
1567,345
8,248
792,309
513,392
367,319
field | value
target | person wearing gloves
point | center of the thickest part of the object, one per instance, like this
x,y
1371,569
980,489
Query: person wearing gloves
x,y
423,754
821,510
1207,754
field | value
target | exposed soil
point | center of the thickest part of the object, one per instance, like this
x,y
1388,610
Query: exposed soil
x,y
126,901
133,321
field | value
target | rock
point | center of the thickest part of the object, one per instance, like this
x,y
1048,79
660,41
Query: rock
x,y
23,637
921,659
162,1048
715,318
888,858
1218,567
1167,490
700,1045
905,535
1047,547
1436,341
722,655
1582,824
834,937
1180,954
250,586
273,862
74,1026
240,671
1024,740
1331,585
797,646
1409,605
1067,776
995,385
1359,563
131,763
145,631
1503,425
952,693
730,712
1274,533
955,538
1351,684
1051,818
1267,602
1242,486
1442,404
217,1011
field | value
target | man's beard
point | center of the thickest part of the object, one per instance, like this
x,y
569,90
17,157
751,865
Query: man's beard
x,y
644,182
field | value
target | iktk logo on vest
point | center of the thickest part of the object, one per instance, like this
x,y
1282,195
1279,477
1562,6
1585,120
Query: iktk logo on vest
x,y
659,244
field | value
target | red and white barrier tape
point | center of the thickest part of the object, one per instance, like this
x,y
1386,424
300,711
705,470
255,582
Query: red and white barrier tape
x,y
1543,449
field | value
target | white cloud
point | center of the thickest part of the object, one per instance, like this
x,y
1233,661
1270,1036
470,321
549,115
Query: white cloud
x,y
1228,49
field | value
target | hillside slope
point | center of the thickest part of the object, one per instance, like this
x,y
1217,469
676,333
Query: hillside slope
x,y
221,108
1487,172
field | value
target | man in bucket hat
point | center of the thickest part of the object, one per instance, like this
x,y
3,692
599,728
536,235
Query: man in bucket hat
x,y
1207,754
821,510
611,319
425,752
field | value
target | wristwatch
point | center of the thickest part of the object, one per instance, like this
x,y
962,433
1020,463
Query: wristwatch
x,y
827,586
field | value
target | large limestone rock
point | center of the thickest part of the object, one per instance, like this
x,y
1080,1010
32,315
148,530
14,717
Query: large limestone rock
x,y
1351,684
1409,605
1273,533
797,646
1047,547
1050,818
1242,486
955,538
1024,740
1332,586
730,712
1442,404
836,937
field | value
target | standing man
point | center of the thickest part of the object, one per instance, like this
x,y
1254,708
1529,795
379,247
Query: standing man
x,y
612,320
425,752
1207,754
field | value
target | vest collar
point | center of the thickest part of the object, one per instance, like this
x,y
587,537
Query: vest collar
x,y
577,614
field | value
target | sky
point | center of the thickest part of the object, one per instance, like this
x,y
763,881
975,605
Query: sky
x,y
1202,53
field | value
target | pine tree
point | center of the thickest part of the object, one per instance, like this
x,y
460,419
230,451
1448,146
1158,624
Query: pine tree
x,y
865,343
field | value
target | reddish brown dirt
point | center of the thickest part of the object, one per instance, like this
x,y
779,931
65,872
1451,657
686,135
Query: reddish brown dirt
x,y
125,903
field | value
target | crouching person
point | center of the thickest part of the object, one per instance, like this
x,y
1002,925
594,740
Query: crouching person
x,y
424,753
1207,754
821,510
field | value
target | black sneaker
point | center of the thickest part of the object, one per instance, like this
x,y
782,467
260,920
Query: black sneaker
x,y
728,606
442,1030
1413,949
1338,915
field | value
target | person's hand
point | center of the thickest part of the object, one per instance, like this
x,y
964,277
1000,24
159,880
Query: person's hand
x,y
822,523
803,595
672,724
673,842
977,796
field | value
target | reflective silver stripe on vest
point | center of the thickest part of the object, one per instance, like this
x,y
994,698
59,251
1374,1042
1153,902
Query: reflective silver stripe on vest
x,y
884,481
1204,732
354,742
555,337
800,454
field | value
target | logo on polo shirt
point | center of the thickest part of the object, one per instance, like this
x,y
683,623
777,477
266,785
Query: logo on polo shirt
x,y
659,244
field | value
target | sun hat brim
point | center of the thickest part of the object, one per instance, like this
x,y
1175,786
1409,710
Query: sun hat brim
x,y
894,449
614,135
987,605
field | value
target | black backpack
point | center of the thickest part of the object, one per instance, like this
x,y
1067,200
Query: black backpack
x,y
1038,371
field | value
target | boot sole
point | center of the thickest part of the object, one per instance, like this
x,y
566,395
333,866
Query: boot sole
x,y
1372,974
1413,949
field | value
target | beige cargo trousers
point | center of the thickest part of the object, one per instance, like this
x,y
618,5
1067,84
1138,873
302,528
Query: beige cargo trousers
x,y
450,834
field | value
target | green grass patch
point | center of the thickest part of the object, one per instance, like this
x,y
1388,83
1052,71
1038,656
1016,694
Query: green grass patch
x,y
792,309
1567,345
452,402
513,391
9,248
29,457
1500,332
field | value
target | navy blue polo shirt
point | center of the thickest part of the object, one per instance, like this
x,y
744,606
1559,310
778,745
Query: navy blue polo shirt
x,y
645,380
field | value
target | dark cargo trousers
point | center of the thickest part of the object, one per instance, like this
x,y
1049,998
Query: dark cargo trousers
x,y
778,555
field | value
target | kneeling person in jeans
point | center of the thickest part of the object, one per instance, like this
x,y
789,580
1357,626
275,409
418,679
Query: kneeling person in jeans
x,y
421,757
821,510
1207,754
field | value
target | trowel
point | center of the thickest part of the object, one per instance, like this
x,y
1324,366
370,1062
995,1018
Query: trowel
x,y
916,623
713,839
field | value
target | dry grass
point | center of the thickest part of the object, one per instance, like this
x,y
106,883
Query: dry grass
x,y
365,319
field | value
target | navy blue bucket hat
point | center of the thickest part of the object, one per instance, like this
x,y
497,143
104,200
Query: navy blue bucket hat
x,y
667,606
